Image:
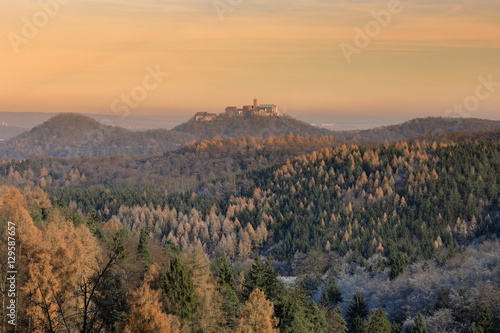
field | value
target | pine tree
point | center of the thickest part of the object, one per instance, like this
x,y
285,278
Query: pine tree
x,y
475,329
172,248
419,325
143,252
379,323
398,263
223,273
178,288
263,276
332,296
316,318
291,311
299,315
396,327
230,305
486,322
443,299
357,313
335,321
358,326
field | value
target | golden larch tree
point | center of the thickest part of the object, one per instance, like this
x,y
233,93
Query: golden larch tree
x,y
257,315
146,315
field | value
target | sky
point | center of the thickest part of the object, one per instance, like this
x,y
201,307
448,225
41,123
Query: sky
x,y
315,59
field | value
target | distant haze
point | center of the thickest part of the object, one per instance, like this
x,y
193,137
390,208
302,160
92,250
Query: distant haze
x,y
29,120
93,52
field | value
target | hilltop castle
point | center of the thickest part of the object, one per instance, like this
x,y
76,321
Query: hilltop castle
x,y
268,110
255,109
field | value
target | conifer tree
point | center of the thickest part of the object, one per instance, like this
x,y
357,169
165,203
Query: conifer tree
x,y
475,329
172,248
230,305
178,288
358,326
299,315
146,314
316,318
398,263
262,276
143,252
443,299
379,323
419,325
292,313
335,321
257,315
209,314
222,272
332,296
396,327
486,322
357,313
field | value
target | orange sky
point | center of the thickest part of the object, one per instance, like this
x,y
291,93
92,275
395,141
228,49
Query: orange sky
x,y
91,53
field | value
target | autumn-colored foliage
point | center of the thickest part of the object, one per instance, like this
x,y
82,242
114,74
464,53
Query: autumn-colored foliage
x,y
146,313
257,315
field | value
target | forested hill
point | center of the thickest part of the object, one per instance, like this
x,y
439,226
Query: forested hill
x,y
413,200
256,126
71,135
461,136
175,171
418,128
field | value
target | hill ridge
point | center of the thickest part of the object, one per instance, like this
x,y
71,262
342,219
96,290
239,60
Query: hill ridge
x,y
76,135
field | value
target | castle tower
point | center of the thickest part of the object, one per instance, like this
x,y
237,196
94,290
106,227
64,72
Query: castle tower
x,y
255,105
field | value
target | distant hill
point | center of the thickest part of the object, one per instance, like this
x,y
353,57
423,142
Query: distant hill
x,y
74,135
447,137
7,132
418,128
135,122
257,126
71,135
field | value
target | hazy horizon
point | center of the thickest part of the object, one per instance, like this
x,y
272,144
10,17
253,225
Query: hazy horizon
x,y
145,122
